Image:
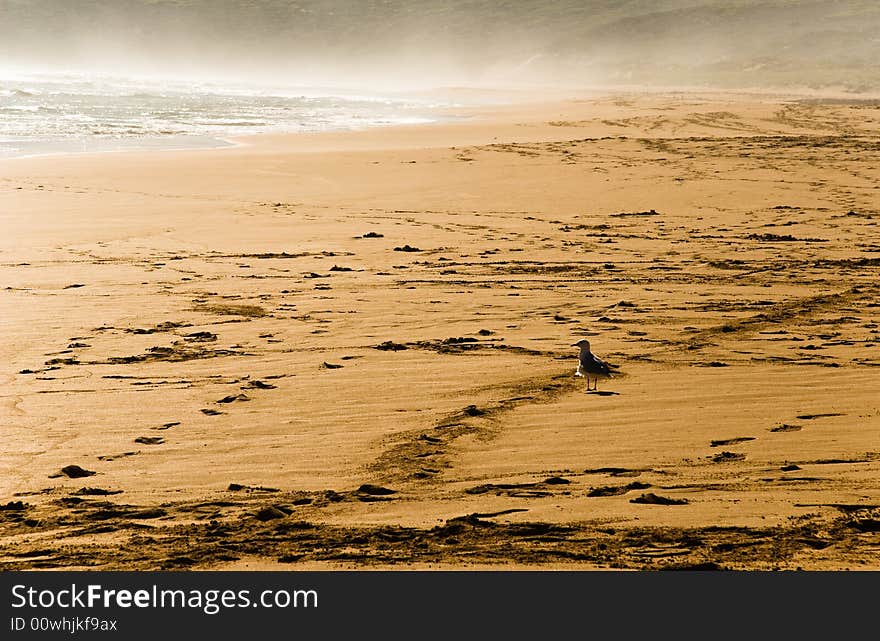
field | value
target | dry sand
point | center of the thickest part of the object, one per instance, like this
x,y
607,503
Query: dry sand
x,y
353,349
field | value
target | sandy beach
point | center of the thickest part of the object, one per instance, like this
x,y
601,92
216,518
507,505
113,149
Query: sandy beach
x,y
353,349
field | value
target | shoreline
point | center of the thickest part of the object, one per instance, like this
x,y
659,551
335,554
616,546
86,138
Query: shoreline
x,y
496,104
177,143
142,145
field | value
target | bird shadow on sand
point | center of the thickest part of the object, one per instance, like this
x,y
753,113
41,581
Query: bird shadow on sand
x,y
602,393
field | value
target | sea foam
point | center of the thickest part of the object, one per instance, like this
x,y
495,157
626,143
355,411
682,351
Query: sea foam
x,y
71,113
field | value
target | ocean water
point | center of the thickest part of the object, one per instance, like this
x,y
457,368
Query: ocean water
x,y
44,114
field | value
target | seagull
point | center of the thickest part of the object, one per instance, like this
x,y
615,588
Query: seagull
x,y
590,364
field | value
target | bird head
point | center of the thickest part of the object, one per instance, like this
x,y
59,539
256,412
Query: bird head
x,y
583,344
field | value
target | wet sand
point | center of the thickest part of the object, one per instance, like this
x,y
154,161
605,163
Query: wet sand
x,y
352,350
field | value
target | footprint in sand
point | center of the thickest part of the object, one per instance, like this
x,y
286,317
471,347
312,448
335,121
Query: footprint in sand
x,y
617,490
149,440
258,385
520,490
273,512
235,398
615,471
95,491
113,457
731,441
655,499
473,410
200,337
73,472
238,487
390,346
726,457
374,490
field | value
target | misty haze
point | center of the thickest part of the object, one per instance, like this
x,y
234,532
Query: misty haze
x,y
403,43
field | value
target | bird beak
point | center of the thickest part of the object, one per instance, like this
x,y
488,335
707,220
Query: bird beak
x,y
575,345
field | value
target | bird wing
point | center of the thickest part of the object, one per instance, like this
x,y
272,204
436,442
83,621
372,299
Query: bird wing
x,y
600,365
